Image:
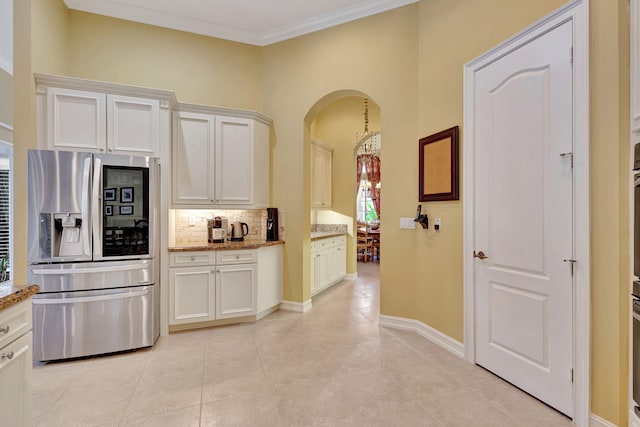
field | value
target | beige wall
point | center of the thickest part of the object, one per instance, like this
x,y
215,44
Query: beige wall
x,y
201,70
6,98
337,125
610,188
409,61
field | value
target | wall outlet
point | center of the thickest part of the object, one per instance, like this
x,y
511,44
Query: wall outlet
x,y
192,220
407,223
437,224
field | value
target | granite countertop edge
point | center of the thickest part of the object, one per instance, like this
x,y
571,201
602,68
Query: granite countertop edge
x,y
12,295
228,246
317,235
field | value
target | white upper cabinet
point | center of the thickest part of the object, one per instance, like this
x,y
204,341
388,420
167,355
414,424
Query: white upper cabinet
x,y
321,161
133,125
83,115
75,119
193,158
219,160
234,161
635,66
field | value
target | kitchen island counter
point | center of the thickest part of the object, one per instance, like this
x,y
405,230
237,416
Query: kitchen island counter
x,y
227,246
11,295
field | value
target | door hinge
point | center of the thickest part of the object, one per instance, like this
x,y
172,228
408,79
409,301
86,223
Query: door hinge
x,y
572,262
568,154
571,375
571,55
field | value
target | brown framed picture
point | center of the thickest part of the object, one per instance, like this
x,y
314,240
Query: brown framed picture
x,y
438,166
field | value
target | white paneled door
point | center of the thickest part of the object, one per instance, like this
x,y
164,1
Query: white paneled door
x,y
524,219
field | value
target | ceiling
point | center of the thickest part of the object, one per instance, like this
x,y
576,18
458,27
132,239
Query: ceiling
x,y
257,22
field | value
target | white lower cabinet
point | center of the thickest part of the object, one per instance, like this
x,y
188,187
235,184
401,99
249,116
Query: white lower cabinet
x,y
328,262
236,290
209,285
15,365
193,294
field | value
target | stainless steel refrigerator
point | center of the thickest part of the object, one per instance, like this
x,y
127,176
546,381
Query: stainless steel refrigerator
x,y
91,249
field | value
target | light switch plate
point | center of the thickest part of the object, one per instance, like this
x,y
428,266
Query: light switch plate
x,y
407,223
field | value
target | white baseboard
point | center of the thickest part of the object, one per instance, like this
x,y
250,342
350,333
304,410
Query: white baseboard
x,y
433,335
352,276
298,307
596,421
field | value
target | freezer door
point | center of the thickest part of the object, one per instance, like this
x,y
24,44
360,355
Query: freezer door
x,y
78,324
124,207
91,275
58,206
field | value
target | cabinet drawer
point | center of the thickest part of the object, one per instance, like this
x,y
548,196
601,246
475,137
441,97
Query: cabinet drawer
x,y
236,257
15,321
338,241
192,259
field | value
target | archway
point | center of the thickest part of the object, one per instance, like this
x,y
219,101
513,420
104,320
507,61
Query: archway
x,y
335,123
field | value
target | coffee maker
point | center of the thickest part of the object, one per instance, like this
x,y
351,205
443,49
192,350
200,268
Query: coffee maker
x,y
272,224
217,229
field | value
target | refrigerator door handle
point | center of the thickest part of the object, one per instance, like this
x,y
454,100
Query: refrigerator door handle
x,y
109,269
121,295
97,210
86,242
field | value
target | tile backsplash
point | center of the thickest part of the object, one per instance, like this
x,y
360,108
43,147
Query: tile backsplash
x,y
196,234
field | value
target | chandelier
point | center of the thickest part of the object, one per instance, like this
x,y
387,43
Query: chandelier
x,y
368,142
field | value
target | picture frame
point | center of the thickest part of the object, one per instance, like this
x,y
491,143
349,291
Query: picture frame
x,y
108,210
126,210
109,194
126,195
438,178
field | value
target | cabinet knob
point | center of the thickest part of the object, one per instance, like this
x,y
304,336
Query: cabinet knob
x,y
213,271
193,258
110,149
7,355
5,330
237,256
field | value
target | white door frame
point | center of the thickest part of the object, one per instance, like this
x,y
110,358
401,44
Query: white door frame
x,y
578,12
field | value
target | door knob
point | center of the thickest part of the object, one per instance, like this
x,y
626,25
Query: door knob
x,y
480,255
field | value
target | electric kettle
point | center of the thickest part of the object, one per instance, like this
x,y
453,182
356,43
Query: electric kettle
x,y
238,231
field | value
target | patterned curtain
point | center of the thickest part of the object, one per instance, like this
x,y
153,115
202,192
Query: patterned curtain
x,y
359,163
372,163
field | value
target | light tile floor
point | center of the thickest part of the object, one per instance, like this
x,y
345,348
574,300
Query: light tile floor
x,y
332,366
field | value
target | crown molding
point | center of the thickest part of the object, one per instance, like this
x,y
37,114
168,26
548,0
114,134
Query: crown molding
x,y
44,80
120,10
223,111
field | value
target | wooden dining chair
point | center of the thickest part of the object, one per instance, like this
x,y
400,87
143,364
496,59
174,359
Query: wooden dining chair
x,y
364,244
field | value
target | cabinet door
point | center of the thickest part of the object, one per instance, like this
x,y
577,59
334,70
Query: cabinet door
x,y
332,264
635,65
234,161
321,269
193,158
15,382
320,177
76,120
192,295
326,178
314,272
236,290
341,259
133,125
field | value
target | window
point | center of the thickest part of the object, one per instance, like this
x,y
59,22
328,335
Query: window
x,y
6,210
364,202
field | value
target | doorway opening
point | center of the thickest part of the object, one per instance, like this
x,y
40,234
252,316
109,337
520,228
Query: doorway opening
x,y
339,196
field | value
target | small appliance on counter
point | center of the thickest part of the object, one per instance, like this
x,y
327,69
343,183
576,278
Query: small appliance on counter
x,y
217,229
238,231
272,224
